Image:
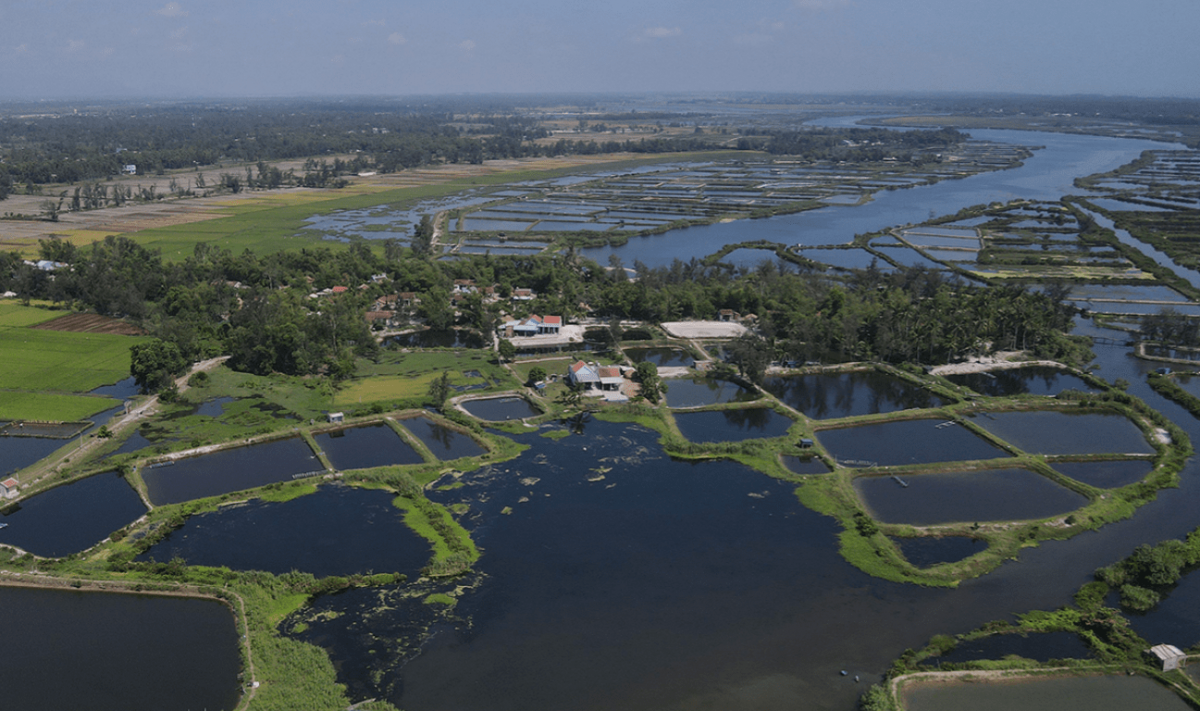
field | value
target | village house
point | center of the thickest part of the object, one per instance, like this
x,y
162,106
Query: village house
x,y
9,488
523,295
532,326
1168,655
591,376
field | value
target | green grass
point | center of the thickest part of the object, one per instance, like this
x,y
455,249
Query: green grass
x,y
46,406
15,315
64,362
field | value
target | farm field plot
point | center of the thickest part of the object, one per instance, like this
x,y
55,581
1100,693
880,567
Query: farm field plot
x,y
16,315
15,405
38,360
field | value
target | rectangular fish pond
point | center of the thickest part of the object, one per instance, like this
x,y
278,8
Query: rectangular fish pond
x,y
906,442
499,409
661,357
71,518
860,392
698,392
444,442
1056,432
1059,693
732,425
111,652
1030,380
366,446
229,470
947,497
355,531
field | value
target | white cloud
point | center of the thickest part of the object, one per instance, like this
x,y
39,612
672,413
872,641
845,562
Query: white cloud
x,y
75,45
22,49
171,9
375,23
661,32
467,45
396,38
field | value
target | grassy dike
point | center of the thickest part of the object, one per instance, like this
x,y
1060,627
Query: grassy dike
x,y
1115,648
291,674
868,544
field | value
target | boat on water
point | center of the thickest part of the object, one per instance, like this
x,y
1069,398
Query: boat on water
x,y
3,525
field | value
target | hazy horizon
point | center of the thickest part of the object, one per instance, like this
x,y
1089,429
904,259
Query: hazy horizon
x,y
63,49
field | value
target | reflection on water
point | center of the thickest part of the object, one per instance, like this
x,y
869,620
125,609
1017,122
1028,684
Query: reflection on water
x,y
732,425
68,519
862,392
1030,380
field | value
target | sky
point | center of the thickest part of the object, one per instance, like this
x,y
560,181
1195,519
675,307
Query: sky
x,y
285,48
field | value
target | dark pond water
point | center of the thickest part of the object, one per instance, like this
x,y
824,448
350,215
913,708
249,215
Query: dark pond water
x,y
1108,474
1047,175
138,441
1054,432
437,338
1086,693
229,470
444,442
697,392
732,425
1175,620
122,390
366,446
906,442
69,519
498,409
339,530
16,453
864,392
1031,380
805,465
1039,647
214,407
988,495
106,652
661,357
924,551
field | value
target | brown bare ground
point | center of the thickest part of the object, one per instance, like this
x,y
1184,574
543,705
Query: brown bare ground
x,y
90,323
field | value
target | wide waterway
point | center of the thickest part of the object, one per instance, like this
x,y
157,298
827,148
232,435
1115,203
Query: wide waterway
x,y
1047,175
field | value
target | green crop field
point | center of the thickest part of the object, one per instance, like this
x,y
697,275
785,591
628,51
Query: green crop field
x,y
59,361
15,315
44,406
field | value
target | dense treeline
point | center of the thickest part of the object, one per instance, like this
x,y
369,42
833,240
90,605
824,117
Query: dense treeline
x,y
871,144
265,314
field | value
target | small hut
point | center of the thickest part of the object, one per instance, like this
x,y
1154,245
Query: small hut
x,y
1169,655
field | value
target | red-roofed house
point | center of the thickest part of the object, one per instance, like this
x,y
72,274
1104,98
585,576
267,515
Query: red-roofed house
x,y
8,488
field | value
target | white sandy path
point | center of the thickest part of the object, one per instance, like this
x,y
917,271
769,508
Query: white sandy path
x,y
704,329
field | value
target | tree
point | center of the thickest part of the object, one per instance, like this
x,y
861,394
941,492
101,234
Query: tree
x,y
506,350
647,375
422,241
155,363
536,374
439,390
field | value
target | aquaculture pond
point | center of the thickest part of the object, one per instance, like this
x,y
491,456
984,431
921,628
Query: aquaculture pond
x,y
1060,693
845,258
71,518
437,338
444,442
1057,432
906,442
1029,380
228,470
661,357
732,425
16,453
1038,647
860,392
1175,620
498,409
365,446
924,551
1107,474
109,652
945,497
697,392
339,530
